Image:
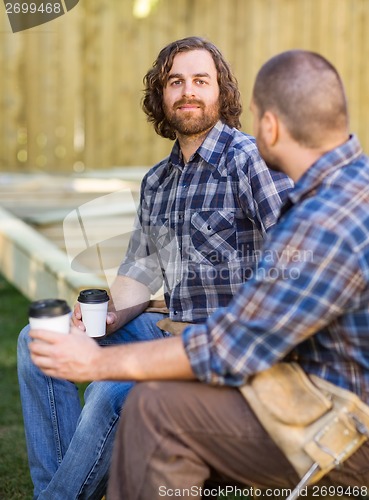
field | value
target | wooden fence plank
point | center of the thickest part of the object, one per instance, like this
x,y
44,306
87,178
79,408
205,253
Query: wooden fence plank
x,y
10,101
71,89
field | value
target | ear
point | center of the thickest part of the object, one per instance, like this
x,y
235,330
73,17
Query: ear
x,y
270,128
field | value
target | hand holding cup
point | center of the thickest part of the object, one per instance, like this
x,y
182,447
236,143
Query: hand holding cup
x,y
93,303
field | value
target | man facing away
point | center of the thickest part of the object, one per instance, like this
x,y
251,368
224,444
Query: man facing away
x,y
203,214
308,302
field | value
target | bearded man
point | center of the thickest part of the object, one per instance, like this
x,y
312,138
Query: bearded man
x,y
203,214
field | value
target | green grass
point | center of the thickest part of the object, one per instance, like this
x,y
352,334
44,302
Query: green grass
x,y
15,482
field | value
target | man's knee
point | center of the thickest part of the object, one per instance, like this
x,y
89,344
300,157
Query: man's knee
x,y
152,401
107,397
22,346
23,337
144,397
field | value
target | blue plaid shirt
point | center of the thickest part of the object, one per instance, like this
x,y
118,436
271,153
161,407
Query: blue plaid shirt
x,y
201,224
309,297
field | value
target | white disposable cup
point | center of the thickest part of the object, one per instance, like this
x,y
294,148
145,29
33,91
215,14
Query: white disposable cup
x,y
94,308
61,324
50,314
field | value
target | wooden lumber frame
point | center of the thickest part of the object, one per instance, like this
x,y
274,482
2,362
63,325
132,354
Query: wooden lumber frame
x,y
36,266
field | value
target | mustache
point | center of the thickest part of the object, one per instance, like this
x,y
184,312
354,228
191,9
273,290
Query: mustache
x,y
192,102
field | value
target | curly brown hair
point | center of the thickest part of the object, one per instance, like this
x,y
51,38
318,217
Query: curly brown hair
x,y
156,78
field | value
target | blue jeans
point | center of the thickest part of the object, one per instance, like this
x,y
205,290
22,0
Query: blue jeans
x,y
69,447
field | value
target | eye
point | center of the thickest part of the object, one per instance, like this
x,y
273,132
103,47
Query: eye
x,y
175,83
201,82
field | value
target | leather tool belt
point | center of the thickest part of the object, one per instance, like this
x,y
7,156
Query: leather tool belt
x,y
316,424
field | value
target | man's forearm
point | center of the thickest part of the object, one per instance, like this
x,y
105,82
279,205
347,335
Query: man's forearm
x,y
79,358
162,359
128,299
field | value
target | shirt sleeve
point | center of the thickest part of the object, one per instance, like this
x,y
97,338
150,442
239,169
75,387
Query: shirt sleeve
x,y
141,262
307,276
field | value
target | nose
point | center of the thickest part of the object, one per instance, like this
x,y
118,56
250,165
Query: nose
x,y
188,89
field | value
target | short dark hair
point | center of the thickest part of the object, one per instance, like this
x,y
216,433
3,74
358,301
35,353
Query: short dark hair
x,y
306,91
156,78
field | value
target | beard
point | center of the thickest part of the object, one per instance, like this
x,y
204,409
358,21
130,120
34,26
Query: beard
x,y
185,123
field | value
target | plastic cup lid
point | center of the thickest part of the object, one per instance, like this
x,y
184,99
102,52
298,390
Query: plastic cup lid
x,y
93,296
48,308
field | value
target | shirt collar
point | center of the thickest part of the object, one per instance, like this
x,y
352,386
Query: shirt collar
x,y
325,166
210,150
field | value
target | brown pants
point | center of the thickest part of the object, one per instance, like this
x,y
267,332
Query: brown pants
x,y
173,436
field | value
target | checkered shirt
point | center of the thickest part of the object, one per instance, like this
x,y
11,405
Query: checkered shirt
x,y
308,300
201,225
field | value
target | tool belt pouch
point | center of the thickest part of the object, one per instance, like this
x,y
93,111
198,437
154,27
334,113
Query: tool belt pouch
x,y
310,419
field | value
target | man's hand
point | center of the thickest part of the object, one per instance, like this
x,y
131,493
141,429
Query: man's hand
x,y
73,357
128,299
77,320
77,317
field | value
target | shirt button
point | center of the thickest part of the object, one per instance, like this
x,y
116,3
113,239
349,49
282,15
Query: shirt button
x,y
175,313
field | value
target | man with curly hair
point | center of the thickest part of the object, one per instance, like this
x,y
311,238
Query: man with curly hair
x,y
203,214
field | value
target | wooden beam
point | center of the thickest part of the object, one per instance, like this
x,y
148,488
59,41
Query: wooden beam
x,y
36,266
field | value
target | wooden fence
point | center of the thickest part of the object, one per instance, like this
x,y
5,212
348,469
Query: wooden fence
x,y
70,89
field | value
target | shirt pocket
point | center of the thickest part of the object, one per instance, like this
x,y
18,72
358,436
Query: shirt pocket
x,y
214,236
